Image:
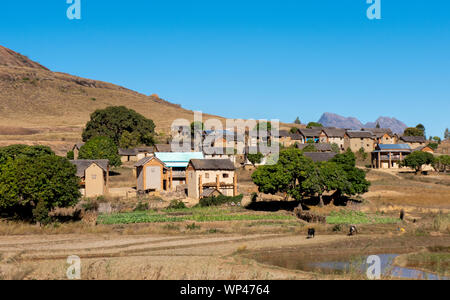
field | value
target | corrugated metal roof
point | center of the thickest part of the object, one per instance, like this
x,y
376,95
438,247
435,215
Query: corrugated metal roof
x,y
178,159
394,147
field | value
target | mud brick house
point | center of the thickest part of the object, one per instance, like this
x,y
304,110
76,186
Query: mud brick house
x,y
153,175
355,140
382,135
94,176
178,162
333,136
311,135
211,176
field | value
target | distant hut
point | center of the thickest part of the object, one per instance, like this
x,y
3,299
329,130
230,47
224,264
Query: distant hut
x,y
94,176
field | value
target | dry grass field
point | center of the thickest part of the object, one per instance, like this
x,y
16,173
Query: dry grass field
x,y
224,249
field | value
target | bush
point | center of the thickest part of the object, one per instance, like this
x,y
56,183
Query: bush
x,y
40,213
176,204
27,181
219,200
141,207
70,155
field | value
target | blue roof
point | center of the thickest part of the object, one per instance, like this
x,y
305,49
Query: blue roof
x,y
394,147
178,159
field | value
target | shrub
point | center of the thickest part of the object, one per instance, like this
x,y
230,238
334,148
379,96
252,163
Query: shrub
x,y
192,226
141,207
40,213
219,200
176,204
70,155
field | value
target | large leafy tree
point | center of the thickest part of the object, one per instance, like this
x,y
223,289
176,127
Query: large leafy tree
x,y
129,140
324,177
16,151
286,175
413,131
442,163
114,121
356,178
31,186
101,147
417,159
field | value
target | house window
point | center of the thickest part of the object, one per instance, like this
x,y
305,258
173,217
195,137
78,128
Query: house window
x,y
94,177
226,175
207,175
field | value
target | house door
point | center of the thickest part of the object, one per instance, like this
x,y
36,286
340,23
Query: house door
x,y
153,178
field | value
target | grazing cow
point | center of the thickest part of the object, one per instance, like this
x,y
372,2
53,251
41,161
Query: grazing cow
x,y
311,233
353,230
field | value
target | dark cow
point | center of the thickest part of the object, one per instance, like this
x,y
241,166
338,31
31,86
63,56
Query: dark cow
x,y
311,233
353,230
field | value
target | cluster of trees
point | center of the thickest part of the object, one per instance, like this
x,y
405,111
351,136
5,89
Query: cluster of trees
x,y
419,130
33,181
299,177
418,159
111,128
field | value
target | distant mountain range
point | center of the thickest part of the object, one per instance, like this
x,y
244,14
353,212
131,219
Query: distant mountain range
x,y
334,120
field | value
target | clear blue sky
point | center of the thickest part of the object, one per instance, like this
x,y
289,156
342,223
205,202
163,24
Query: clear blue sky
x,y
253,58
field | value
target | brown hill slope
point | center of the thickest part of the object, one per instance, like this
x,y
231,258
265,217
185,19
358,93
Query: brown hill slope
x,y
41,106
32,96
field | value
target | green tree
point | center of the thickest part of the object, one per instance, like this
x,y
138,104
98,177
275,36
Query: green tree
x,y
325,177
413,131
446,134
421,128
417,159
255,158
101,147
17,151
335,148
378,125
70,155
285,176
442,163
357,183
263,126
113,121
293,130
26,181
297,121
129,140
314,124
197,127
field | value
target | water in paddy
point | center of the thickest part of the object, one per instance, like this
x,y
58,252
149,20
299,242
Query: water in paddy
x,y
339,264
